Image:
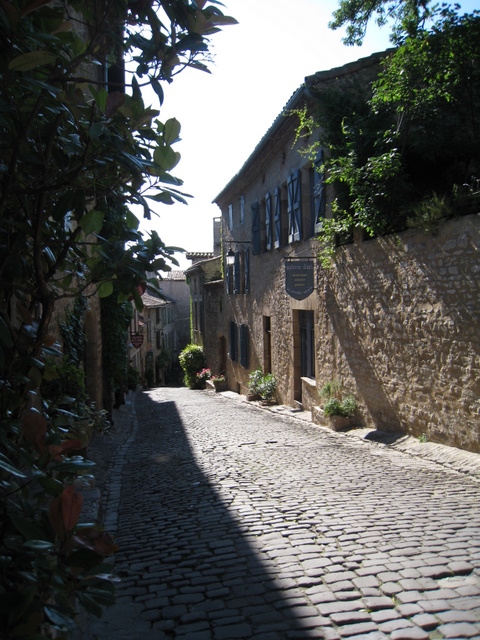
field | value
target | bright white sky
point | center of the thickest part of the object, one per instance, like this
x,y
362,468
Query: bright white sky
x,y
258,64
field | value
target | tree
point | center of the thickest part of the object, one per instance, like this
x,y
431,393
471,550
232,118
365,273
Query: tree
x,y
404,146
77,146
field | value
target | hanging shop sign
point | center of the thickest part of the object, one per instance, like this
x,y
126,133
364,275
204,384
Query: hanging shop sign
x,y
299,278
136,339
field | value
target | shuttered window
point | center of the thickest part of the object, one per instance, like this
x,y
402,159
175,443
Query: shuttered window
x,y
294,191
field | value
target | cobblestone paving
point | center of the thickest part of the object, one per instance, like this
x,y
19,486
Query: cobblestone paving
x,y
234,522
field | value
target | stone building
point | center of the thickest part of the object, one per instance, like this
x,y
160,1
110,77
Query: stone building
x,y
174,286
153,339
395,320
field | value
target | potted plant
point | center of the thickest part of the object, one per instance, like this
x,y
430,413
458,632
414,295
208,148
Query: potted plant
x,y
268,388
255,379
216,383
339,408
202,377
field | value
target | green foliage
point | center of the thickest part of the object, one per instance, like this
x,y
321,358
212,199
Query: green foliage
x,y
268,387
74,152
192,360
401,145
261,385
255,379
336,403
335,407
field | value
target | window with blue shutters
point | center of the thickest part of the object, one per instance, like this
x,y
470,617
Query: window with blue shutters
x,y
256,239
294,193
277,218
268,222
233,341
244,345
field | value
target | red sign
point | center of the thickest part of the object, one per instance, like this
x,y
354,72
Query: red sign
x,y
137,340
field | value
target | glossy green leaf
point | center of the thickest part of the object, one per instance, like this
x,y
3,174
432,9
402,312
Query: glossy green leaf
x,y
171,131
105,289
31,60
92,222
166,157
5,335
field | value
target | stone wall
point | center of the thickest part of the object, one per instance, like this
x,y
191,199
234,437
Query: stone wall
x,y
400,323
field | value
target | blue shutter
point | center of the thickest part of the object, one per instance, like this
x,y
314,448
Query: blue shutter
x,y
319,195
268,222
294,189
277,206
244,345
233,341
255,229
236,273
246,264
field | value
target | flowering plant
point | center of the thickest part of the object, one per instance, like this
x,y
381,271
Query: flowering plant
x,y
219,378
203,375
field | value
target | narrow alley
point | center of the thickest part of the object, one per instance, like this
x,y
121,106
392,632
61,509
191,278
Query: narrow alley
x,y
235,522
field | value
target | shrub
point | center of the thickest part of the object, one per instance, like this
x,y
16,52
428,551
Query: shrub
x,y
255,379
268,387
192,360
336,404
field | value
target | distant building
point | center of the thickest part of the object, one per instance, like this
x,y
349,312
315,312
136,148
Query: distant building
x,y
174,285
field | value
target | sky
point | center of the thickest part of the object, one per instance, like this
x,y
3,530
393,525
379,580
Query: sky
x,y
257,66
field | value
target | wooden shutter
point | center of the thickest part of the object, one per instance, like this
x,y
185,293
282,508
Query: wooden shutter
x,y
233,341
256,247
244,345
277,206
246,265
236,273
319,195
268,222
294,189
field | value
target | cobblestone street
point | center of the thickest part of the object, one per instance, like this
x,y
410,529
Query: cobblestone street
x,y
235,522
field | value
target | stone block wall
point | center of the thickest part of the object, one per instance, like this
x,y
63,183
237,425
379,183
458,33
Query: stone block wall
x,y
400,325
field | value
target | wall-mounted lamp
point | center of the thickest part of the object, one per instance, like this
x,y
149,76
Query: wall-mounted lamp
x,y
230,256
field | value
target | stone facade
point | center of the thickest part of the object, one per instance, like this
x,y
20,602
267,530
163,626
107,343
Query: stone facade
x,y
174,285
395,320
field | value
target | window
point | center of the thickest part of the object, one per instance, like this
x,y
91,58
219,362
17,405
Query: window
x,y
233,341
268,222
230,216
294,191
244,345
242,209
307,344
158,340
157,315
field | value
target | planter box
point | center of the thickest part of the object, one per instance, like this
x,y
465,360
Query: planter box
x,y
216,386
339,423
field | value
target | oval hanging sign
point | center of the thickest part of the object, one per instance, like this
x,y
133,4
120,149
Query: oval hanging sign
x,y
299,278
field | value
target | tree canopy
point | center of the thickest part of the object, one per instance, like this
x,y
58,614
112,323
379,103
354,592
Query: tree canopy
x,y
78,145
403,148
